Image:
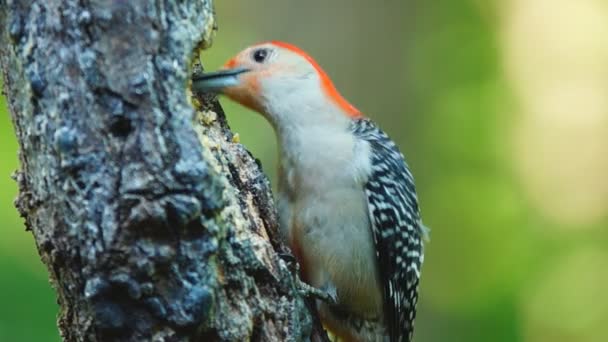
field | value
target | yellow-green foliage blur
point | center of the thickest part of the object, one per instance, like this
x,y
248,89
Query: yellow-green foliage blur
x,y
501,110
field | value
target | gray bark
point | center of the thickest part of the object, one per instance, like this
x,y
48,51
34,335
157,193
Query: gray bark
x,y
154,224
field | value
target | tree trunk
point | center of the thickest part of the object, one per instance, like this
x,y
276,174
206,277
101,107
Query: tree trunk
x,y
154,224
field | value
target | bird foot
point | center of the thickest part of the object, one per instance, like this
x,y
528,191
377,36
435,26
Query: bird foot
x,y
327,293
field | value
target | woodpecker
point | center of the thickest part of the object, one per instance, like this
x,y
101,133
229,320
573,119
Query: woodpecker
x,y
346,198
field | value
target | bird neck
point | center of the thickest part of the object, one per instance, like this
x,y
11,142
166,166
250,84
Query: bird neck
x,y
314,137
309,124
295,108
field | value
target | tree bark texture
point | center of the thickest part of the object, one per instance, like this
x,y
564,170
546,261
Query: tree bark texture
x,y
153,222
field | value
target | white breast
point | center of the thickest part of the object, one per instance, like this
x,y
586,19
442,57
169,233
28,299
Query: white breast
x,y
323,209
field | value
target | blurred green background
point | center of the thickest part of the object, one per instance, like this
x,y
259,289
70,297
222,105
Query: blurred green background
x,y
501,109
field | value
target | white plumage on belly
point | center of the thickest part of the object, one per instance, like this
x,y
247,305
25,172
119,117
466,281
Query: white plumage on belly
x,y
323,206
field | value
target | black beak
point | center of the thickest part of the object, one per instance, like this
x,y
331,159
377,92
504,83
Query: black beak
x,y
216,81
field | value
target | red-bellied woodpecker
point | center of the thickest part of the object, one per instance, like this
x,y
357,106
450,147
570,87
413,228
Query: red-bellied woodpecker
x,y
347,203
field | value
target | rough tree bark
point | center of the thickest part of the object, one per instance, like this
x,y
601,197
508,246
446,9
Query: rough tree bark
x,y
154,224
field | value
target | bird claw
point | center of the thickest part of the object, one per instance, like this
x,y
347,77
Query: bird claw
x,y
328,294
332,292
287,257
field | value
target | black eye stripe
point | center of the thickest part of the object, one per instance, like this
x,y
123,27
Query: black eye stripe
x,y
260,55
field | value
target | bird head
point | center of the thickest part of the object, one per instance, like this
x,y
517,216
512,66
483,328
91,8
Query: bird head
x,y
278,80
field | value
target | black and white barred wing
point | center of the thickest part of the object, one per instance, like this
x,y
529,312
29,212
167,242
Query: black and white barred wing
x,y
396,227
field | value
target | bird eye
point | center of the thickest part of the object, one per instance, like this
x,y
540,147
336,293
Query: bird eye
x,y
260,55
